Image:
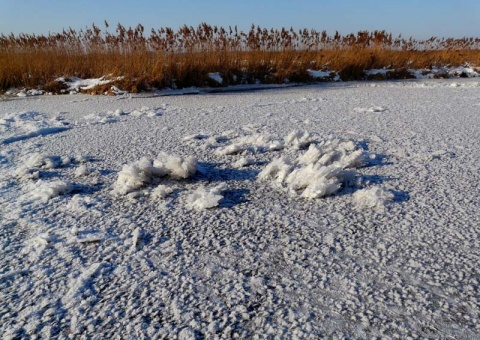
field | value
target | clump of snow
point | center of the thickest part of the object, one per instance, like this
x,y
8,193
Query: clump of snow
x,y
258,142
82,170
161,192
136,175
194,137
29,169
327,75
216,77
372,109
146,111
204,198
75,84
298,139
83,204
43,191
374,197
321,171
243,161
118,112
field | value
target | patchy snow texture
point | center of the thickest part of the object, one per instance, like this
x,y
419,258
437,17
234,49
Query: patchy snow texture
x,y
355,225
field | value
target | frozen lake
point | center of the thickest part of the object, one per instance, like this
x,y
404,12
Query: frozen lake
x,y
336,210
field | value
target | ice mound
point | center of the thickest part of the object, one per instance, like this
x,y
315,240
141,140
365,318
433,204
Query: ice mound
x,y
321,171
204,198
136,175
24,125
43,191
30,168
374,197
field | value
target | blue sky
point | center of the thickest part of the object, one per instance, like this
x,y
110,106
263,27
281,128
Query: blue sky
x,y
418,18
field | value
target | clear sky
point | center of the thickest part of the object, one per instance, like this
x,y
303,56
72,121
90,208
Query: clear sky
x,y
418,18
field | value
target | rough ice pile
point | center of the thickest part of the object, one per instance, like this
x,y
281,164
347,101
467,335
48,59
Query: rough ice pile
x,y
43,191
30,169
204,198
136,175
374,197
321,171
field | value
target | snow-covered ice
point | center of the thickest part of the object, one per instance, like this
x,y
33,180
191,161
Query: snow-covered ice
x,y
339,210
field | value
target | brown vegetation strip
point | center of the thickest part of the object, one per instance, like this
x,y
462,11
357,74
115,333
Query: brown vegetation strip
x,y
183,58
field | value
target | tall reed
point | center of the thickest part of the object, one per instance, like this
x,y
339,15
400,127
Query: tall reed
x,y
182,58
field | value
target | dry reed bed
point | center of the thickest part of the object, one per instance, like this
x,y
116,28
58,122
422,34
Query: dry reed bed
x,y
183,58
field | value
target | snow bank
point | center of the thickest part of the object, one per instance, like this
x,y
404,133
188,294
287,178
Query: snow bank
x,y
321,171
204,198
374,197
138,174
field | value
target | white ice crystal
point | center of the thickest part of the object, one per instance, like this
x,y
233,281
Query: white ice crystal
x,y
136,175
44,191
374,197
321,171
204,198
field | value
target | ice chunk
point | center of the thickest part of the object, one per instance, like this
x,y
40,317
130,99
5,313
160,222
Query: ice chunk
x,y
204,198
298,139
44,191
136,175
374,197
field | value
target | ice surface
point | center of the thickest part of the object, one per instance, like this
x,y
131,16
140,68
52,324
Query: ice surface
x,y
280,250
